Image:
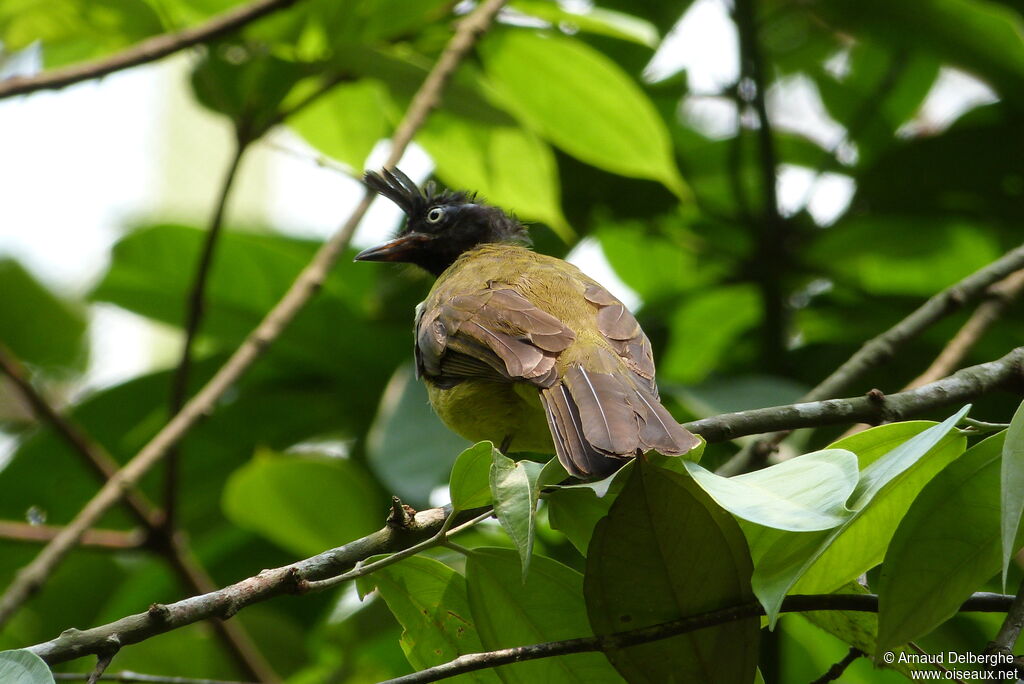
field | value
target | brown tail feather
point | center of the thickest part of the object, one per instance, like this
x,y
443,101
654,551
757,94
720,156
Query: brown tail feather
x,y
599,419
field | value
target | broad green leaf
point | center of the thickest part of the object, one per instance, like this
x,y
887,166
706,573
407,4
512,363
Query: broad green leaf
x,y
549,606
1011,486
514,492
649,262
697,347
23,667
575,509
946,546
39,328
345,123
509,166
666,551
470,485
302,503
429,600
408,448
821,562
801,494
593,19
588,106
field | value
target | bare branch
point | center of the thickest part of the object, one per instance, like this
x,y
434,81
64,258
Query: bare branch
x,y
1009,631
31,577
837,670
224,603
471,662
148,50
963,386
138,678
883,347
999,298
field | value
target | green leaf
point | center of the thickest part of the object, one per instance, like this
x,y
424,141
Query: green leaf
x,y
593,19
509,166
514,491
345,123
589,107
23,667
666,551
1011,486
802,494
821,562
470,485
549,606
574,510
38,327
302,503
945,547
429,600
408,448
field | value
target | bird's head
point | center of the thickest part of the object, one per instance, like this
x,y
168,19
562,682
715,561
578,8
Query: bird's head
x,y
439,226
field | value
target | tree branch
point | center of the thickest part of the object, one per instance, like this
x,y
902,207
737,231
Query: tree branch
x,y
31,577
837,670
400,533
138,678
980,602
1010,630
148,50
160,538
883,347
999,297
959,388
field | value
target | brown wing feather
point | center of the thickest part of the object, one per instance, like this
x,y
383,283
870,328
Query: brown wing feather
x,y
498,327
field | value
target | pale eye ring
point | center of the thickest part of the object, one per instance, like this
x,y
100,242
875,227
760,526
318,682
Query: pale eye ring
x,y
435,215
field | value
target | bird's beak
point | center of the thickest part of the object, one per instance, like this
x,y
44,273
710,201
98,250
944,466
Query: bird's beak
x,y
398,249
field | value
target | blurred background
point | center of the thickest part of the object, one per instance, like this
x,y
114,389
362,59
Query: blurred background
x,y
767,185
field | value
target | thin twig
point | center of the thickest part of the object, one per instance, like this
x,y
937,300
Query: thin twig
x,y
146,51
195,307
163,540
999,297
837,670
439,539
136,677
102,663
31,577
959,388
14,530
799,603
883,347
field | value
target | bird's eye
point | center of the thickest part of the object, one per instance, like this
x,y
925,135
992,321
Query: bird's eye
x,y
435,215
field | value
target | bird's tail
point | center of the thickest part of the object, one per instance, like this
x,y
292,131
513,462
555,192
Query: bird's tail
x,y
599,419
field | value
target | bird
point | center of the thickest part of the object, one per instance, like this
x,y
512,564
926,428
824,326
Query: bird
x,y
521,348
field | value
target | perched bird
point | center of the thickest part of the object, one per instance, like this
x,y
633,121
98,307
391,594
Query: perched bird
x,y
521,348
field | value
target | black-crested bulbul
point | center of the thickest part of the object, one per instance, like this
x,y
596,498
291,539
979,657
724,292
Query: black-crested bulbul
x,y
521,348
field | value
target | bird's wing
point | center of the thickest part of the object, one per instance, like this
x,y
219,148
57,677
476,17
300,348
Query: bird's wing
x,y
495,333
622,331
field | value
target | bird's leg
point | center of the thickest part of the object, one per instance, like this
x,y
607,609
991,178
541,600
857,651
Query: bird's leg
x,y
505,444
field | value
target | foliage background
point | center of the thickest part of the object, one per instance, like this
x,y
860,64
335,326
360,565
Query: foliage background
x,y
750,271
